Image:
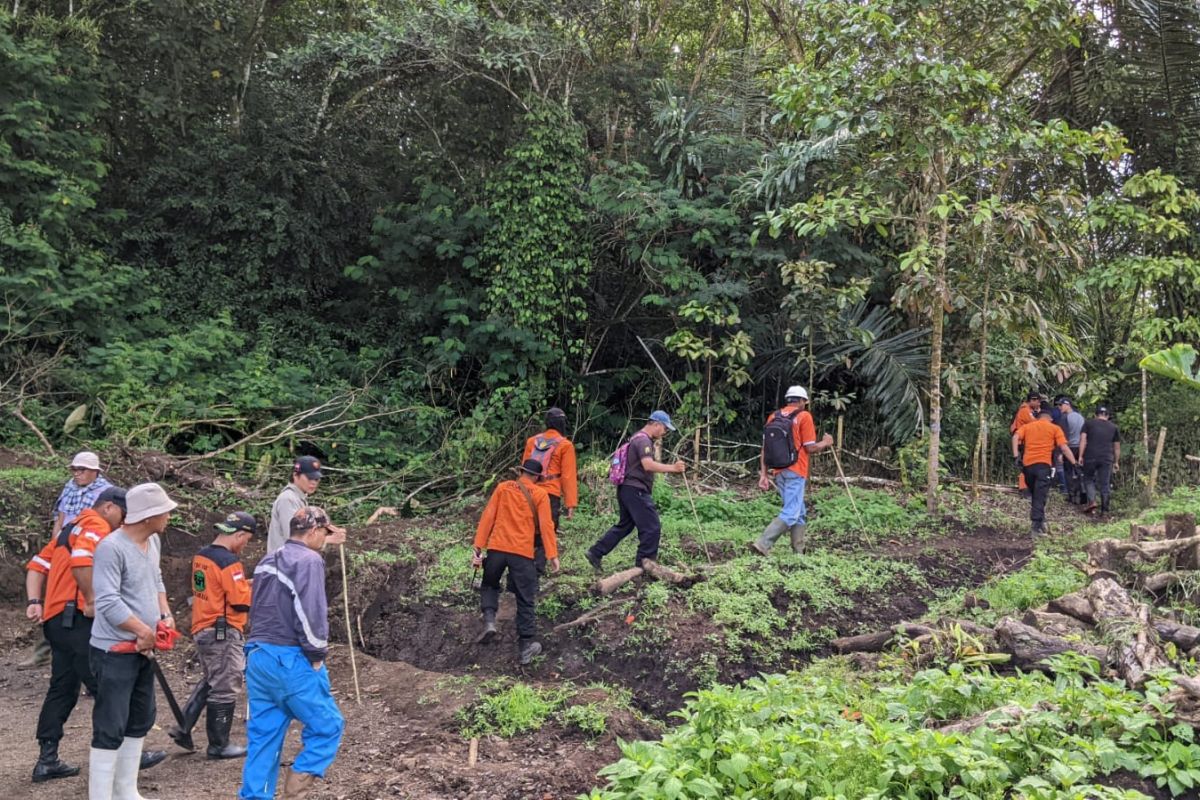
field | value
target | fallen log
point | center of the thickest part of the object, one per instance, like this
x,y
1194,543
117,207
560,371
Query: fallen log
x,y
1161,581
1053,623
659,572
1030,647
1113,554
1127,625
600,611
1001,718
616,580
1074,605
878,641
1184,636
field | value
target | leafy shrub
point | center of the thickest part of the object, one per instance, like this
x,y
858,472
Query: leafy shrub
x,y
519,708
828,733
835,519
1044,578
588,718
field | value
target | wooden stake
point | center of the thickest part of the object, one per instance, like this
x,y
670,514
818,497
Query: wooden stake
x,y
349,632
1158,450
473,751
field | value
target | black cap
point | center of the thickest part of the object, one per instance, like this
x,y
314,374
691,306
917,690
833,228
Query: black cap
x,y
556,413
1063,399
113,494
308,466
238,521
1033,395
531,466
1102,410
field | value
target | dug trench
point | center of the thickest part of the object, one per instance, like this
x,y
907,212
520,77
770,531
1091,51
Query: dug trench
x,y
660,660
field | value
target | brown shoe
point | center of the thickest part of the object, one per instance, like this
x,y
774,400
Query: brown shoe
x,y
298,785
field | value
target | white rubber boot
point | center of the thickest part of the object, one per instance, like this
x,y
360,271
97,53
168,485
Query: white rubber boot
x,y
102,765
129,758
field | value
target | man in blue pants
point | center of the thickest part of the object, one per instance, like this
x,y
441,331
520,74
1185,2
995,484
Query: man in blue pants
x,y
286,678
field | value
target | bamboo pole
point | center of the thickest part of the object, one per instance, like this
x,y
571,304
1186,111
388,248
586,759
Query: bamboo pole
x,y
1158,451
349,633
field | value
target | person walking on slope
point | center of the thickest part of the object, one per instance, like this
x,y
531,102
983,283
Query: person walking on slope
x,y
556,453
63,569
220,606
1026,413
131,603
1040,438
789,438
635,493
517,515
306,477
1071,422
286,677
1100,454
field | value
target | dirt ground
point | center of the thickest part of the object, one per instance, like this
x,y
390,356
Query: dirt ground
x,y
402,742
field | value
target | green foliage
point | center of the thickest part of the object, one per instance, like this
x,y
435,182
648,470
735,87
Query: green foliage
x,y
506,712
588,718
757,602
836,521
830,732
1044,578
1177,363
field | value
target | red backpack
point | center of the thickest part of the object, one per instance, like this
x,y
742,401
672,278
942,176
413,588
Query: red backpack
x,y
543,448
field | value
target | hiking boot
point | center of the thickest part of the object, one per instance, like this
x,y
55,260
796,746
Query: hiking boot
x,y
218,724
489,626
39,656
797,531
592,559
298,785
529,649
48,767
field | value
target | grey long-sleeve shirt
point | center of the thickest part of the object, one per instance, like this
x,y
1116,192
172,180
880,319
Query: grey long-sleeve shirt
x,y
290,500
126,581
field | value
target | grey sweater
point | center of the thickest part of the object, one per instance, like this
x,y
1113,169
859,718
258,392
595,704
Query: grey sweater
x,y
290,500
126,581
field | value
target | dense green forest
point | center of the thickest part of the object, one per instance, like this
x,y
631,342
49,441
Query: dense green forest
x,y
394,232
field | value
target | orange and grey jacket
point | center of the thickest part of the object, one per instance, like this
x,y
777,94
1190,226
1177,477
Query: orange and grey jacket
x,y
219,589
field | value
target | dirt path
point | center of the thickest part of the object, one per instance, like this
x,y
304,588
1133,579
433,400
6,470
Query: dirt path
x,y
402,742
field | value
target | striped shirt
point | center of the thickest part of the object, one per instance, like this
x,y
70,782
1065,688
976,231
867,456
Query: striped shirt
x,y
75,498
289,606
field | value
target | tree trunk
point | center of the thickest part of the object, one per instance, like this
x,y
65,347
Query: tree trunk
x,y
1053,623
1074,605
1030,647
616,581
877,642
935,370
981,445
1127,626
1183,526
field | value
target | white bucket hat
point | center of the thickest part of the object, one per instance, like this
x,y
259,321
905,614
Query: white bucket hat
x,y
86,460
795,391
146,500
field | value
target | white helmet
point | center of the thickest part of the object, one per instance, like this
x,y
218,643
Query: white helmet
x,y
794,392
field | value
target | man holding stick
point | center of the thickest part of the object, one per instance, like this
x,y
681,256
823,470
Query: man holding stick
x,y
286,678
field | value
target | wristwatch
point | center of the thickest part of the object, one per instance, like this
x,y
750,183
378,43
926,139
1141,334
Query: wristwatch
x,y
33,601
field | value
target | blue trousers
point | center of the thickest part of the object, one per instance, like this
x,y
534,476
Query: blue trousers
x,y
283,686
791,491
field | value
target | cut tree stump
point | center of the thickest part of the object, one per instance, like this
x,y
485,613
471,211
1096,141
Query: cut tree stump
x,y
1183,526
1030,647
877,642
1052,623
1074,605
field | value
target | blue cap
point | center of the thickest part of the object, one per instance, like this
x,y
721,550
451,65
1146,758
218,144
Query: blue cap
x,y
664,418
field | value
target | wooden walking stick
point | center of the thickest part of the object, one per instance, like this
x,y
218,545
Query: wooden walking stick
x,y
861,525
696,517
349,634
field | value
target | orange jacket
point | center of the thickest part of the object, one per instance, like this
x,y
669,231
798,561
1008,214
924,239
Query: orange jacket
x,y
804,431
507,523
219,589
1041,438
1024,417
558,469
75,546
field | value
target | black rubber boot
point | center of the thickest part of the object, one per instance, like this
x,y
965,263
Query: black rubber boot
x,y
151,757
48,767
218,723
529,649
489,627
192,710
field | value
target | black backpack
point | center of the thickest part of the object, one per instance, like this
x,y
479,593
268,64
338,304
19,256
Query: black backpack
x,y
779,445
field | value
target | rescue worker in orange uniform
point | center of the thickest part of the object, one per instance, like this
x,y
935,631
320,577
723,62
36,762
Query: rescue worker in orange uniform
x,y
220,608
1026,414
556,453
1040,438
517,513
63,569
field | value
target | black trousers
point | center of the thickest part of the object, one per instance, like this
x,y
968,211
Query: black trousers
x,y
1097,478
522,581
539,551
69,669
124,698
637,510
1074,478
1037,478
